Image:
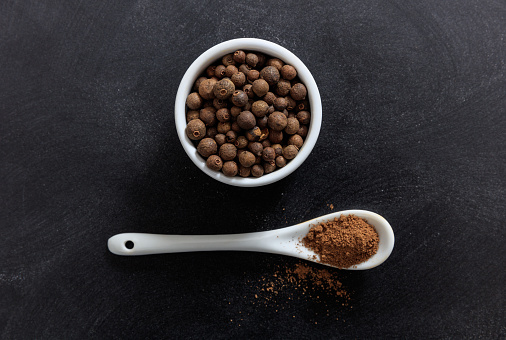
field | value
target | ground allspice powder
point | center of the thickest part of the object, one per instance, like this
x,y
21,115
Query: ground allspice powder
x,y
343,242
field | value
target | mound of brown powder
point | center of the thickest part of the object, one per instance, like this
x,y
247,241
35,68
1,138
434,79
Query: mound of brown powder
x,y
343,242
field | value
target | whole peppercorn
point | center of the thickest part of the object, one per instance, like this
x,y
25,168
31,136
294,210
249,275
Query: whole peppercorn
x,y
266,143
244,171
276,62
288,72
257,170
239,98
211,132
275,136
224,127
230,168
220,139
239,57
207,147
253,75
262,122
298,91
269,98
230,70
208,116
278,149
269,167
228,60
239,79
228,151
219,71
280,161
235,127
304,117
196,129
246,120
223,115
260,87
206,89
231,137
197,83
241,142
270,74
247,159
219,103
251,59
192,114
259,108
291,103
253,134
295,140
244,68
210,71
256,148
280,103
277,121
214,162
235,111
224,89
302,106
268,154
194,101
292,126
290,151
248,89
302,131
283,87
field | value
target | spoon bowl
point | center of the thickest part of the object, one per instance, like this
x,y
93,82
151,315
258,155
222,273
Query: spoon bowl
x,y
284,241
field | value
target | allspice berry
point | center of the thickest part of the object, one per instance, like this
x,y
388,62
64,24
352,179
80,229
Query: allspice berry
x,y
214,162
268,154
302,131
239,98
206,89
277,121
210,71
247,159
291,103
269,98
230,169
244,68
230,70
228,151
304,117
219,71
256,148
278,149
283,87
207,147
275,136
266,143
257,170
292,126
220,139
262,122
269,167
244,171
219,103
239,79
231,136
224,89
248,89
259,108
224,127
235,111
270,74
276,62
197,83
295,140
194,101
251,59
228,60
253,134
290,151
302,106
208,115
211,132
239,57
241,142
280,103
260,87
280,161
253,75
196,129
223,115
288,72
246,120
298,91
192,114
235,127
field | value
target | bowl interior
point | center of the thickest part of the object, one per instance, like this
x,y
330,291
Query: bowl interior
x,y
269,48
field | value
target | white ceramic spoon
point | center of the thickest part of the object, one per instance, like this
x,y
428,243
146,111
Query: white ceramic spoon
x,y
283,241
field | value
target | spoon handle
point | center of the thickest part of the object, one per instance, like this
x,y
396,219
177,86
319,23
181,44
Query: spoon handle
x,y
144,244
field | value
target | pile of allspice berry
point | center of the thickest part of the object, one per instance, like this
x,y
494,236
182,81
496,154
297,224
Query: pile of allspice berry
x,y
248,114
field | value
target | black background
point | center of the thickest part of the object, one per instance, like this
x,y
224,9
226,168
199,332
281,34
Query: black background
x,y
414,128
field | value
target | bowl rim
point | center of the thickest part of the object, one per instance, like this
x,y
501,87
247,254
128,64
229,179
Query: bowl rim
x,y
272,49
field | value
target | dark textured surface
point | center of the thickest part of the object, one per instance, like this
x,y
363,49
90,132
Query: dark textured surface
x,y
414,128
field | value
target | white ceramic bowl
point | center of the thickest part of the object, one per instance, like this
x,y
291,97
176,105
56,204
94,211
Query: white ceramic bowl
x,y
269,48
